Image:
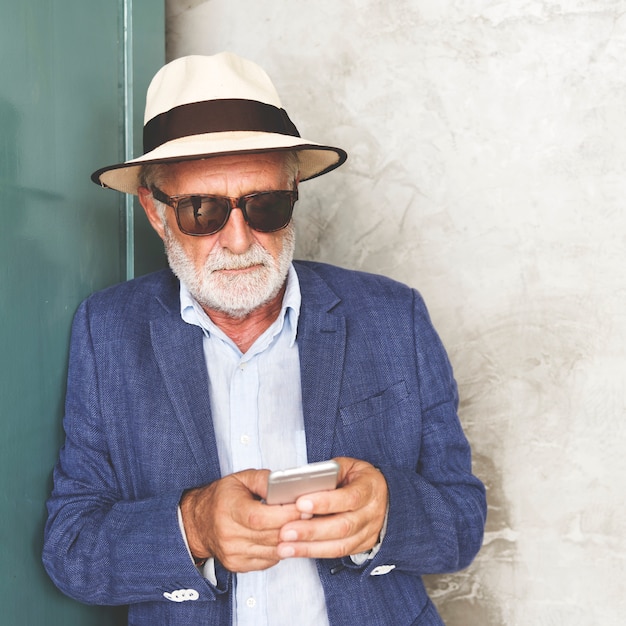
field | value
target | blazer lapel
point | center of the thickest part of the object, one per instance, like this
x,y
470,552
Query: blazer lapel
x,y
179,353
321,345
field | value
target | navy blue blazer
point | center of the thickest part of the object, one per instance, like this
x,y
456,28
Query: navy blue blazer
x,y
376,385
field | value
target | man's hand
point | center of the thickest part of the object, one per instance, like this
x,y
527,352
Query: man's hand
x,y
345,521
227,520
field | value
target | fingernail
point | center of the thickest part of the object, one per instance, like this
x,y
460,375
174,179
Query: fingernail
x,y
286,552
290,535
305,506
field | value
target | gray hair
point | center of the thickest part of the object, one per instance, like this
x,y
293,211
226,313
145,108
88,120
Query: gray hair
x,y
291,165
152,174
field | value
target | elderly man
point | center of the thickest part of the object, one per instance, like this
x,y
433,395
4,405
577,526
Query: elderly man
x,y
187,386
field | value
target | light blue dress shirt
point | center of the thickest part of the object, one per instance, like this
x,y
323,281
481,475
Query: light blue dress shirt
x,y
256,404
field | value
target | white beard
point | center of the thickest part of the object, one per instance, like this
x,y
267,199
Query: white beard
x,y
235,295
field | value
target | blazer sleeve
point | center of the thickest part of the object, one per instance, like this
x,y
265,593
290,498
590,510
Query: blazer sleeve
x,y
100,545
437,510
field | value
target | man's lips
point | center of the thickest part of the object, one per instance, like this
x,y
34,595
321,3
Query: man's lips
x,y
237,270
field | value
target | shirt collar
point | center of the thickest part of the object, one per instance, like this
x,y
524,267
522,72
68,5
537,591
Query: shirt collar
x,y
192,313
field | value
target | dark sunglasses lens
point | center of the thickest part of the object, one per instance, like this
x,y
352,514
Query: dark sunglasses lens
x,y
269,211
202,215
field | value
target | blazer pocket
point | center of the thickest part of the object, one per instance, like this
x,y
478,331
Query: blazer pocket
x,y
376,405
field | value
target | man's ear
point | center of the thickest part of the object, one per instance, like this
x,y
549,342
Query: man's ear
x,y
147,202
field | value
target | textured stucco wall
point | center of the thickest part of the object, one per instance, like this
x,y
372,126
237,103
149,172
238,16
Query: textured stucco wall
x,y
487,164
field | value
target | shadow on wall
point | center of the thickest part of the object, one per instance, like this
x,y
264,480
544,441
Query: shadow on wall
x,y
465,598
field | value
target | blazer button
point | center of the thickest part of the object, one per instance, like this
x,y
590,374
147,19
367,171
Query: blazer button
x,y
182,595
381,570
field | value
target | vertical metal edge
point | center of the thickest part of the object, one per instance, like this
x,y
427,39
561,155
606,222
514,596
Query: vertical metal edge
x,y
127,119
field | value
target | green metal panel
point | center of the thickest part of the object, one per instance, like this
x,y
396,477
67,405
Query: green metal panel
x,y
61,237
149,253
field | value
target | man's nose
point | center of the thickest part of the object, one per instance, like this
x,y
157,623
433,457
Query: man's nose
x,y
236,235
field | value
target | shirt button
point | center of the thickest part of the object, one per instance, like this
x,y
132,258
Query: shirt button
x,y
251,602
245,439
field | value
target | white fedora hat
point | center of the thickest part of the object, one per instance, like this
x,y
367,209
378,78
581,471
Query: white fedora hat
x,y
205,106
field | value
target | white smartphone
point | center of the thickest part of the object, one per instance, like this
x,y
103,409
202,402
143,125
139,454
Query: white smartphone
x,y
286,486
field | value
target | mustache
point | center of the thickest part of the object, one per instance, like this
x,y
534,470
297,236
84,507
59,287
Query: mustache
x,y
221,259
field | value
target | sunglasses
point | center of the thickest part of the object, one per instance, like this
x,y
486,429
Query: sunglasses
x,y
205,214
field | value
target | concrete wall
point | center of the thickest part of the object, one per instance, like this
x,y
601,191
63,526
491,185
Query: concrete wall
x,y
487,148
